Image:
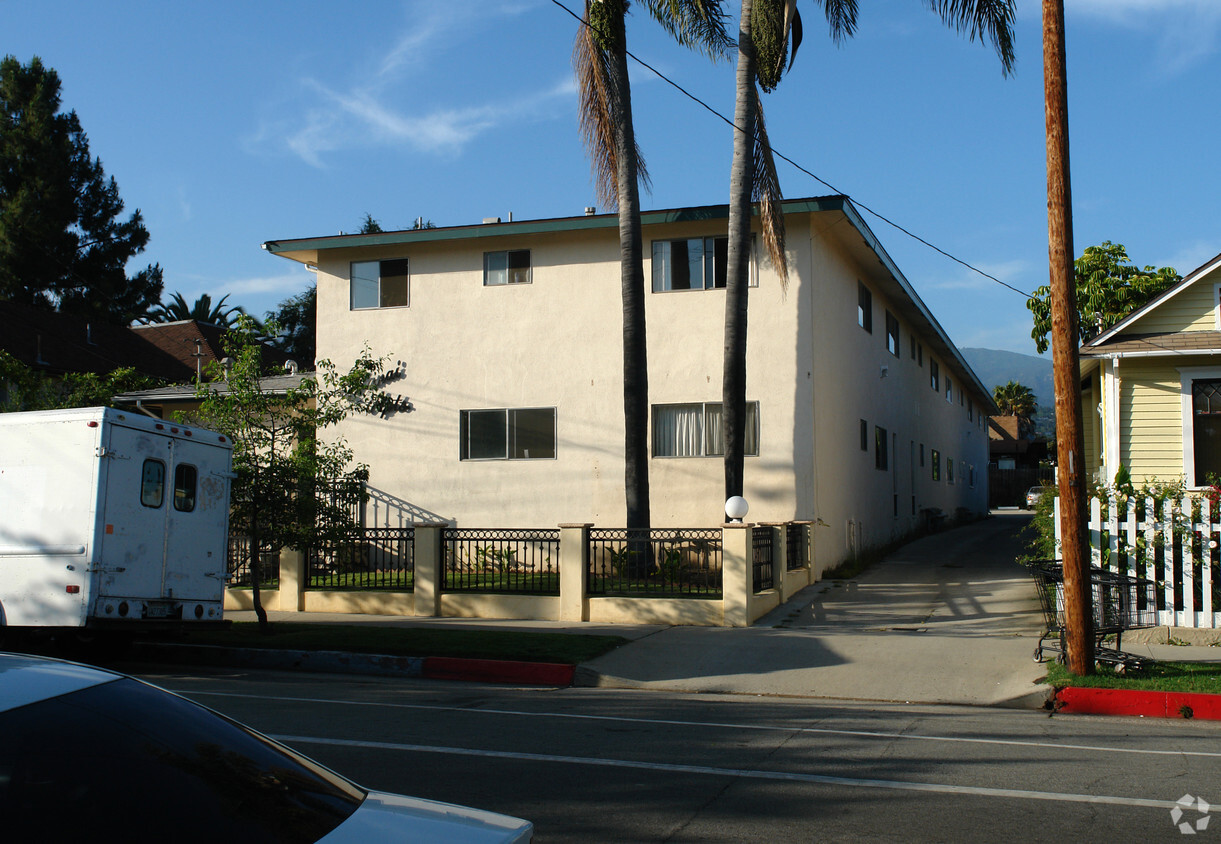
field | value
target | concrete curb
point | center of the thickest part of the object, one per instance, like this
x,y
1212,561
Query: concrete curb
x,y
382,665
1076,700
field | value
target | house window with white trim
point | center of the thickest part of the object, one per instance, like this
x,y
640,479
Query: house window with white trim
x,y
1206,428
379,284
526,433
697,430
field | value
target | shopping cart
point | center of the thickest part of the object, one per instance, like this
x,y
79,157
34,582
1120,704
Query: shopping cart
x,y
1120,602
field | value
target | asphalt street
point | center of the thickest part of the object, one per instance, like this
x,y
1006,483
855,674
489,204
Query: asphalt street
x,y
643,766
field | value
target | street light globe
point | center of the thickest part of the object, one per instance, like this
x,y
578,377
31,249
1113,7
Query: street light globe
x,y
736,508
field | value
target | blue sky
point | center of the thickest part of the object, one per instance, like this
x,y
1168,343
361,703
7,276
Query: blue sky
x,y
228,124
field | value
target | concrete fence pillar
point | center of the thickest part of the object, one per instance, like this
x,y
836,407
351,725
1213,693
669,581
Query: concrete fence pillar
x,y
574,572
291,596
428,560
737,574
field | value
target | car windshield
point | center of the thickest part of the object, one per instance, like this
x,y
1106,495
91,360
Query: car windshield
x,y
127,761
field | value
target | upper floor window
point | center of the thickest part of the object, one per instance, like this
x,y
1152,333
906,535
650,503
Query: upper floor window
x,y
892,334
507,434
934,376
696,263
510,267
864,307
935,458
379,284
864,435
697,430
949,389
880,453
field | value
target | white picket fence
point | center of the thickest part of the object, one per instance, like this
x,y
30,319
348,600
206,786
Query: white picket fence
x,y
1174,548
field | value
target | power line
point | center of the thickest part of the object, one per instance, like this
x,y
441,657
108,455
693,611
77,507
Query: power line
x,y
802,169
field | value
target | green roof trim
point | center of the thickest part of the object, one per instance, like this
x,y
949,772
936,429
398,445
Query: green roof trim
x,y
516,227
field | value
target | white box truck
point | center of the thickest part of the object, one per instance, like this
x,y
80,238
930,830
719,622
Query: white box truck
x,y
111,520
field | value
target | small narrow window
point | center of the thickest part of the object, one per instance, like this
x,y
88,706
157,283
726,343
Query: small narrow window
x,y
949,389
185,478
919,355
936,461
922,455
949,470
934,377
864,307
864,435
913,345
892,334
880,455
152,483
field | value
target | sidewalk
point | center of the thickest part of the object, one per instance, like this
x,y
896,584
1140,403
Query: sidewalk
x,y
949,618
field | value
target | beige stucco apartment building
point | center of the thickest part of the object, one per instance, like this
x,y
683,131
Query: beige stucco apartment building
x,y
508,337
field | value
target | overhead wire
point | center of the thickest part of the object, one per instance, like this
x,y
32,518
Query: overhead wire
x,y
802,169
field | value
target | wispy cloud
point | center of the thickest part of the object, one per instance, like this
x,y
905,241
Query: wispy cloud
x,y
369,113
1186,30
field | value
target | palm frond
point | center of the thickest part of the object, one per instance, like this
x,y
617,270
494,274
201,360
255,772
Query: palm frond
x,y
992,19
766,191
697,24
841,18
595,114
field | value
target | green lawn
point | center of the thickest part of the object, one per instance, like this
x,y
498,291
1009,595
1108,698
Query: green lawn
x,y
567,648
1160,677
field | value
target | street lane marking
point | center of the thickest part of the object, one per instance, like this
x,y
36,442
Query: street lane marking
x,y
706,724
745,773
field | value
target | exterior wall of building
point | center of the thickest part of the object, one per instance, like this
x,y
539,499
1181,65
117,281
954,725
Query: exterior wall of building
x,y
1193,309
1151,419
557,343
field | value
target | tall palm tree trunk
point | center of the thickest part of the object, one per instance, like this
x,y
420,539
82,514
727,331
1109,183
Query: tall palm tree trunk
x,y
631,263
741,182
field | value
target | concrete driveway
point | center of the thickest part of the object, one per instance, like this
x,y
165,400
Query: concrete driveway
x,y
949,618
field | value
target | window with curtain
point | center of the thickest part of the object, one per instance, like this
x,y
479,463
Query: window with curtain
x,y
697,430
697,263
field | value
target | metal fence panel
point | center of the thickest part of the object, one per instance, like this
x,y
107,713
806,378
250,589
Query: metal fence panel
x,y
238,563
794,546
505,561
370,558
763,558
674,562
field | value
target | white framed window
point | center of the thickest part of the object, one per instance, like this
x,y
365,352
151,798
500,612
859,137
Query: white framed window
x,y
694,263
526,433
697,430
1201,399
379,284
507,267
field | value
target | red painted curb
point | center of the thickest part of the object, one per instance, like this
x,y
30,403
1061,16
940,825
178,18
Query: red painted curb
x,y
1077,700
498,671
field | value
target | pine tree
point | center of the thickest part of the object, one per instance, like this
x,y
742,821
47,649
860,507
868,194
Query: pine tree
x,y
62,242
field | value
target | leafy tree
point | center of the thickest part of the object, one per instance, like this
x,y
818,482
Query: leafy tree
x,y
291,484
1109,287
1015,399
23,388
297,318
605,113
370,225
62,244
762,62
202,311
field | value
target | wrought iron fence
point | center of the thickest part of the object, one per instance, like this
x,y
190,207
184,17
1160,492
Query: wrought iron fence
x,y
795,545
369,558
674,562
515,561
238,563
762,557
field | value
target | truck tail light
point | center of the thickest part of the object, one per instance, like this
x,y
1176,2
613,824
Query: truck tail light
x,y
72,589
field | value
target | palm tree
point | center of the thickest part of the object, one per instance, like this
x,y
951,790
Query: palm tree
x,y
202,311
600,62
762,61
1015,399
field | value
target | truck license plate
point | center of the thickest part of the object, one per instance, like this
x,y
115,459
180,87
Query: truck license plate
x,y
158,611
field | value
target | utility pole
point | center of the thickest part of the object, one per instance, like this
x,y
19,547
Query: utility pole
x,y
1070,441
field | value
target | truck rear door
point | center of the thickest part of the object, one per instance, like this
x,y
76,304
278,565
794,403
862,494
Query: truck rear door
x,y
198,522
